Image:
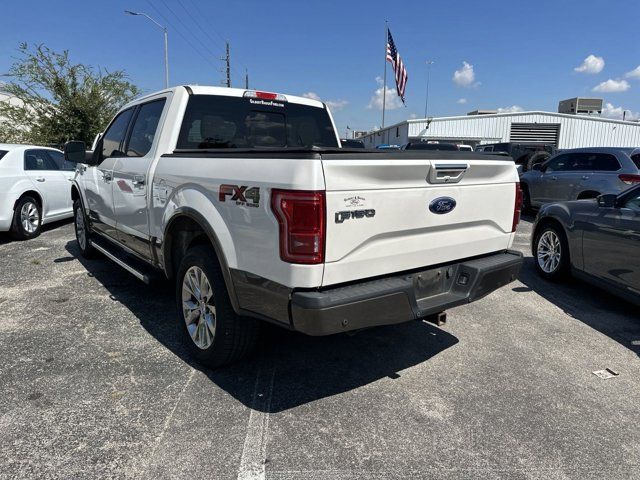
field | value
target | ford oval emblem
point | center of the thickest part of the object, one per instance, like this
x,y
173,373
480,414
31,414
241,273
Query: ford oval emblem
x,y
442,205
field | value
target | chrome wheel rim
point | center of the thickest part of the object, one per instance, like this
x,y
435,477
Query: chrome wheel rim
x,y
29,217
549,251
81,231
198,309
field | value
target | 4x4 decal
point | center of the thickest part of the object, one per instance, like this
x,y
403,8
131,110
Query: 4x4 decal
x,y
242,195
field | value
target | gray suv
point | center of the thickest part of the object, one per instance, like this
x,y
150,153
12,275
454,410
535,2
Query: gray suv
x,y
581,173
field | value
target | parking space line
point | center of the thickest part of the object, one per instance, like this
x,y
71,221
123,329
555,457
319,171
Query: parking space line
x,y
252,460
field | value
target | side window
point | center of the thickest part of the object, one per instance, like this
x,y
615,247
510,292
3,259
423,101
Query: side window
x,y
114,136
636,159
38,160
581,162
558,164
144,128
58,159
604,162
633,202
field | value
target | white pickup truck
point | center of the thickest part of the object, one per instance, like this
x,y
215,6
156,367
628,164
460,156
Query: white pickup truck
x,y
246,200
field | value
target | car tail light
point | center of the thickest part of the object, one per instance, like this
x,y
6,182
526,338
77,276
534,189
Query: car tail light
x,y
265,95
629,178
517,206
301,217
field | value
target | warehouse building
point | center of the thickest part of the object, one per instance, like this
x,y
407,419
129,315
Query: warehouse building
x,y
559,129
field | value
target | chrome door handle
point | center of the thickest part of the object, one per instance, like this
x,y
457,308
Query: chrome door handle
x,y
40,179
107,176
554,178
139,181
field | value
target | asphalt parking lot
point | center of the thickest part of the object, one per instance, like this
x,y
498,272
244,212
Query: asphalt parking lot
x,y
93,384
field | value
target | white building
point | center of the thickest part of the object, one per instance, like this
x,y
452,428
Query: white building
x,y
562,130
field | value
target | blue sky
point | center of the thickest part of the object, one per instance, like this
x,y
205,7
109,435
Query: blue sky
x,y
522,54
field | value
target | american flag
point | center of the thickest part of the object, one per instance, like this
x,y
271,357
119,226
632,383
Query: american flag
x,y
398,67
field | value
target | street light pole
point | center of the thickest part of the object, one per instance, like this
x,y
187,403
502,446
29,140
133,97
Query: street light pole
x,y
426,103
166,43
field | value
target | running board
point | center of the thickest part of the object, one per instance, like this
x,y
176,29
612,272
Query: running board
x,y
139,275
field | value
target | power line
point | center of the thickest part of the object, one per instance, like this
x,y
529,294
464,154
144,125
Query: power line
x,y
204,46
194,47
201,14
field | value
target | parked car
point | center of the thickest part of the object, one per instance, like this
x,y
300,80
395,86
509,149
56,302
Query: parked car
x,y
385,146
430,146
34,189
525,155
351,143
597,240
245,201
465,148
580,174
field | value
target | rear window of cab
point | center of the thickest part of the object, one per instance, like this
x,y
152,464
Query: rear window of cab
x,y
238,122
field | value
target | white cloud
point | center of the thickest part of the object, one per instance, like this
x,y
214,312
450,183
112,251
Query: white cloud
x,y
393,101
334,105
612,86
461,101
412,116
591,64
635,73
511,109
466,76
609,111
312,96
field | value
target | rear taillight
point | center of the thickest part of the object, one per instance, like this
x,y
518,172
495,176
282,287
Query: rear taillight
x,y
301,217
517,206
629,178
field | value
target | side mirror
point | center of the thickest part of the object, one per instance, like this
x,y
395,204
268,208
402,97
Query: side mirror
x,y
537,167
76,152
607,200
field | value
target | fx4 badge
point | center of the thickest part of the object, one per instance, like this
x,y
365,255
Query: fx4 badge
x,y
442,205
242,195
354,214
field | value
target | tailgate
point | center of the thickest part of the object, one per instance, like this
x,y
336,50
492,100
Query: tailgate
x,y
385,215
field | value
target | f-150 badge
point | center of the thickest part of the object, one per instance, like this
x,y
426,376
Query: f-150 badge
x,y
242,195
354,214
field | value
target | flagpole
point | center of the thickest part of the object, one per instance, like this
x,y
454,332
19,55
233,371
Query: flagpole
x,y
384,85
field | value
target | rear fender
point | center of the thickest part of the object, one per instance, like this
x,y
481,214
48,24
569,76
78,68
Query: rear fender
x,y
561,215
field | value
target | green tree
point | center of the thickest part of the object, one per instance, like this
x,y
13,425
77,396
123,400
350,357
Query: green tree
x,y
57,100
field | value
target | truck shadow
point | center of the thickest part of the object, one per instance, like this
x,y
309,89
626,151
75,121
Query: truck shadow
x,y
598,309
303,369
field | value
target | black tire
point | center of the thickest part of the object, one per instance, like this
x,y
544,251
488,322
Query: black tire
x,y
18,230
563,265
537,157
233,336
79,223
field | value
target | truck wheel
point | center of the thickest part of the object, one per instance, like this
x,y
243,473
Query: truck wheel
x,y
27,219
537,157
83,236
215,334
551,253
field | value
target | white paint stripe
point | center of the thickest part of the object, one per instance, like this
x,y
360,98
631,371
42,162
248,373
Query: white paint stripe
x,y
254,450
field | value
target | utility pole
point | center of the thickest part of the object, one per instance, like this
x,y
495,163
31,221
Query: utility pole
x,y
426,102
227,60
246,79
